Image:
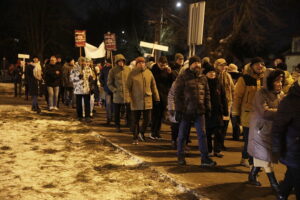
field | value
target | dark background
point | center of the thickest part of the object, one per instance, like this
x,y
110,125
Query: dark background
x,y
249,27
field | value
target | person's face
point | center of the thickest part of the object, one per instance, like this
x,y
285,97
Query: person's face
x,y
278,84
258,67
141,65
195,67
180,61
211,75
277,61
59,60
53,60
222,67
162,65
121,63
72,62
35,60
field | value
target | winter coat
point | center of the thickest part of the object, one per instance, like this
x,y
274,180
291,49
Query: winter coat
x,y
226,80
288,82
104,77
175,71
117,79
192,96
171,104
66,71
244,92
264,108
219,105
142,89
17,74
81,85
163,81
33,86
52,79
286,128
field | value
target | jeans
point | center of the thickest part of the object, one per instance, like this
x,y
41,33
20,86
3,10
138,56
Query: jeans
x,y
200,129
53,96
118,113
136,116
18,89
69,96
291,180
87,107
109,106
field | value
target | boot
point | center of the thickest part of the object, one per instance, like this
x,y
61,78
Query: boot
x,y
181,159
252,178
274,185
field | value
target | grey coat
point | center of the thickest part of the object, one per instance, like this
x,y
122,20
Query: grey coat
x,y
260,136
117,83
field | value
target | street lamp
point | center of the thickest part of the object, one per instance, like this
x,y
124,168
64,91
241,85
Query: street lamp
x,y
178,4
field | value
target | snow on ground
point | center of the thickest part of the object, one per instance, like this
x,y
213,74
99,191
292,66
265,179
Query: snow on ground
x,y
49,156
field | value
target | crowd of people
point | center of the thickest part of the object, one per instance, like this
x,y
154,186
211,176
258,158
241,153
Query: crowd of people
x,y
261,100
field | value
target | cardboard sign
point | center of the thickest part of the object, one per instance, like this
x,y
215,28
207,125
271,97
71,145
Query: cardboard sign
x,y
110,41
80,38
24,56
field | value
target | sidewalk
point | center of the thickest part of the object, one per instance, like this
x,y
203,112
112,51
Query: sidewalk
x,y
226,181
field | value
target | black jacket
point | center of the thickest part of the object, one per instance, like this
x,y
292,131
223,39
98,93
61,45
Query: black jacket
x,y
32,82
286,129
52,79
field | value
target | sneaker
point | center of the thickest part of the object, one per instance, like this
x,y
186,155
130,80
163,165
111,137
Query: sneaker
x,y
135,142
158,137
142,137
244,162
208,162
55,108
181,160
51,108
151,136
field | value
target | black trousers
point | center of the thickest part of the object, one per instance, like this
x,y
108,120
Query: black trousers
x,y
224,131
61,95
87,105
217,139
157,116
118,113
135,125
291,180
236,131
18,89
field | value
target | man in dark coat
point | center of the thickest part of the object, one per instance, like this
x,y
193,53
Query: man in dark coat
x,y
192,102
286,140
163,77
17,78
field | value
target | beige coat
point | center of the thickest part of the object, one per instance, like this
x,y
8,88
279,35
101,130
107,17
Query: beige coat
x,y
142,89
244,92
227,82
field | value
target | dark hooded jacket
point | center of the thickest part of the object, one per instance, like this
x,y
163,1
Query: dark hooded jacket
x,y
286,129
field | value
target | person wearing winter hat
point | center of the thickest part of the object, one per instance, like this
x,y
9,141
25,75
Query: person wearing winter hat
x,y
179,60
142,90
192,102
245,89
163,78
288,77
117,79
265,104
214,121
225,79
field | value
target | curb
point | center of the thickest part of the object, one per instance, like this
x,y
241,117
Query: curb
x,y
175,182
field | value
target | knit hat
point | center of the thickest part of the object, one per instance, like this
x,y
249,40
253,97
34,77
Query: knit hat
x,y
194,59
139,59
208,68
273,76
220,61
256,60
178,56
232,68
81,59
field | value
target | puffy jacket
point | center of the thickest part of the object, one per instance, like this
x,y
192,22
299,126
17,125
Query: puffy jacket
x,y
286,129
244,92
81,85
142,89
104,77
117,79
264,108
192,96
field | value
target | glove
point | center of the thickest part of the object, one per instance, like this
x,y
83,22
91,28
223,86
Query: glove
x,y
178,116
236,119
80,76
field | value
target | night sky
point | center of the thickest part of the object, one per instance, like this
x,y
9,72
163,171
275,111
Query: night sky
x,y
131,16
